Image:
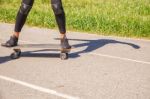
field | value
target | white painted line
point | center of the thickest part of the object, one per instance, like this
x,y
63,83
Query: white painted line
x,y
35,87
121,58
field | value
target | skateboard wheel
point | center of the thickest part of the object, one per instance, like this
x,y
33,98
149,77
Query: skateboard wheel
x,y
15,55
64,56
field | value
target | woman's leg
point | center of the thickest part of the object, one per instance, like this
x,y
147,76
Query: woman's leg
x,y
25,8
59,15
61,21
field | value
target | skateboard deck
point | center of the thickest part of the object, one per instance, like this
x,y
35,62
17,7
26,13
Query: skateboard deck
x,y
49,47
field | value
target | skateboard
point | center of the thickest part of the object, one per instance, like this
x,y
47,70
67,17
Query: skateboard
x,y
49,47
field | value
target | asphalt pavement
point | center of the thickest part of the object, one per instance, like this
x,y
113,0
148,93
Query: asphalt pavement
x,y
99,67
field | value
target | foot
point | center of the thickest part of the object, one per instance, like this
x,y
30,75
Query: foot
x,y
11,42
65,43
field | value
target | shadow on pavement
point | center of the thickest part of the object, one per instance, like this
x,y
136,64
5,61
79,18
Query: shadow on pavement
x,y
40,55
95,44
30,54
4,59
90,44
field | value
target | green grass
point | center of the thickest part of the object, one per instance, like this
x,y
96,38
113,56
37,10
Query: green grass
x,y
125,18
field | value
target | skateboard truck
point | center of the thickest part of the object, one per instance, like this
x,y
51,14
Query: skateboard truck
x,y
16,54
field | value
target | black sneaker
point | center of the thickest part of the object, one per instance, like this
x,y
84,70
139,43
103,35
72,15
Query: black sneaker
x,y
64,43
13,41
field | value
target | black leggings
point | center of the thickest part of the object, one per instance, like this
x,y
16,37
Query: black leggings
x,y
27,5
